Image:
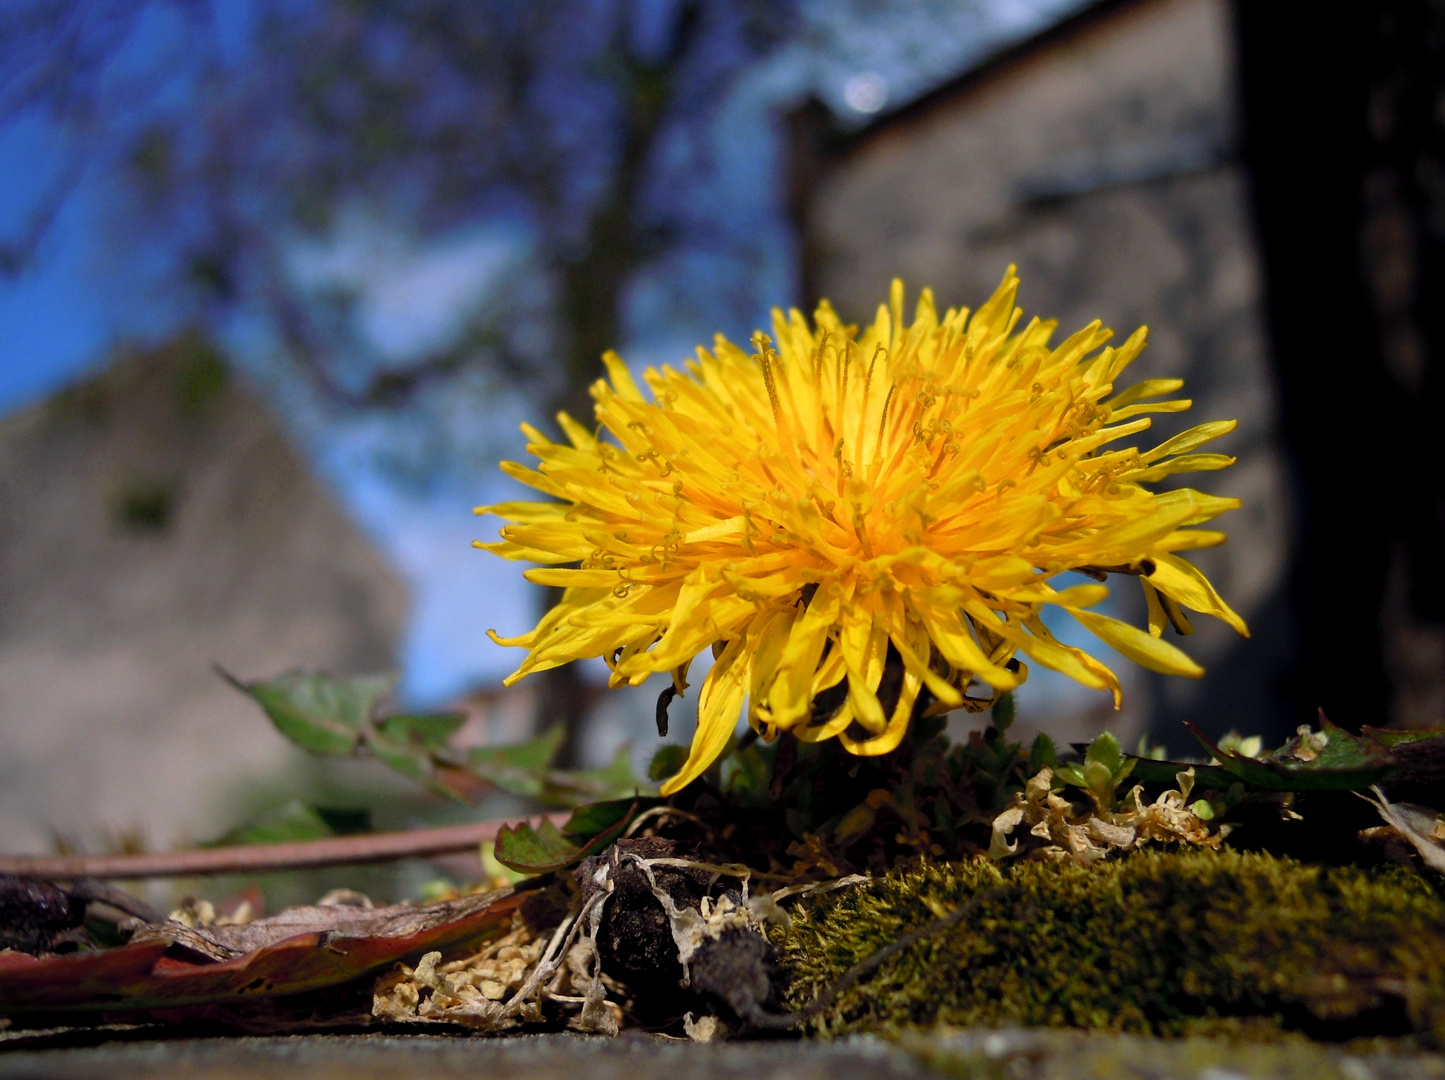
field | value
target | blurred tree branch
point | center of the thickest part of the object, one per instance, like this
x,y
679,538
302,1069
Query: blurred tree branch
x,y
238,147
435,112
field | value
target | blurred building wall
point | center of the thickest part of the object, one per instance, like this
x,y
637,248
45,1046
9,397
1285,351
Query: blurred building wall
x,y
154,521
1100,157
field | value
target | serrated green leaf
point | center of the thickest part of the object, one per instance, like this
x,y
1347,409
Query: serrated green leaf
x,y
531,756
1345,763
319,712
1347,752
540,849
596,818
535,849
428,731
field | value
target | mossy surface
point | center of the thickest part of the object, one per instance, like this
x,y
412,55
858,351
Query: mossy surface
x,y
1158,942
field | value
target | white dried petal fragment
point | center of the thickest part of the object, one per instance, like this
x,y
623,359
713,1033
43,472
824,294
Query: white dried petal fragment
x,y
704,1030
1420,825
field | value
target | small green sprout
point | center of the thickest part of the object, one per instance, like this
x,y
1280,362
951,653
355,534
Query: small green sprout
x,y
1251,747
1104,768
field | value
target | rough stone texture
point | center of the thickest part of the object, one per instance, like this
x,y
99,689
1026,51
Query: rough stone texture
x,y
987,1055
1100,160
552,1057
1023,1054
155,521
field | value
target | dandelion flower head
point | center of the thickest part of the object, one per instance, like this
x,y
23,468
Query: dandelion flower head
x,y
863,526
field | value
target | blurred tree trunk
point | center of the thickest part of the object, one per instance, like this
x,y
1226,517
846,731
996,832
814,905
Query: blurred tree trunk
x,y
1344,117
592,291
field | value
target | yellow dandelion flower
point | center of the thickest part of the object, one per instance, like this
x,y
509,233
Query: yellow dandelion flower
x,y
863,526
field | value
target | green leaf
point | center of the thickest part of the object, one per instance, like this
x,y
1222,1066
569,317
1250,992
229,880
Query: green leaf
x,y
520,769
1043,754
1071,773
296,820
1003,712
412,763
544,848
1105,751
319,712
417,763
345,820
593,819
666,762
428,731
535,850
614,781
1388,738
533,755
1157,771
1345,763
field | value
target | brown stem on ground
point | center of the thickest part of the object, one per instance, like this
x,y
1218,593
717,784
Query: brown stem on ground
x,y
253,858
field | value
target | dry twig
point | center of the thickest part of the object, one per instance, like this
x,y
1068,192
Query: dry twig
x,y
252,858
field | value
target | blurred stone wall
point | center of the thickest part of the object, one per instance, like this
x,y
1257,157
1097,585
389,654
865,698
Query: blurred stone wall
x,y
1101,159
155,521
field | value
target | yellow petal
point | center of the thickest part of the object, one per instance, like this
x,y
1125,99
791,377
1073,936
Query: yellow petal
x,y
1138,645
897,723
790,698
621,378
718,706
1188,440
1157,619
1181,580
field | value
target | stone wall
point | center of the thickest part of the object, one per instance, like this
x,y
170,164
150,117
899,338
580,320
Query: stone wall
x,y
155,521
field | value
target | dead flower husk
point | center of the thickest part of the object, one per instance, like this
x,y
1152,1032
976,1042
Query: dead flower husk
x,y
1055,828
1163,942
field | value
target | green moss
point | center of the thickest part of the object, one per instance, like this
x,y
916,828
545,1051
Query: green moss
x,y
1162,942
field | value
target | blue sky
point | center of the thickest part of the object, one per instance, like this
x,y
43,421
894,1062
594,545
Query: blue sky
x,y
80,296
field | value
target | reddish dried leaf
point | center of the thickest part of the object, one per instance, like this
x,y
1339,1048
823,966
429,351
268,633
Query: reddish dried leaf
x,y
150,974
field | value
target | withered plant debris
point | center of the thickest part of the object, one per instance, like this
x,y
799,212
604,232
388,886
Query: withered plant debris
x,y
170,966
1420,826
1057,830
492,989
794,886
43,917
35,916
